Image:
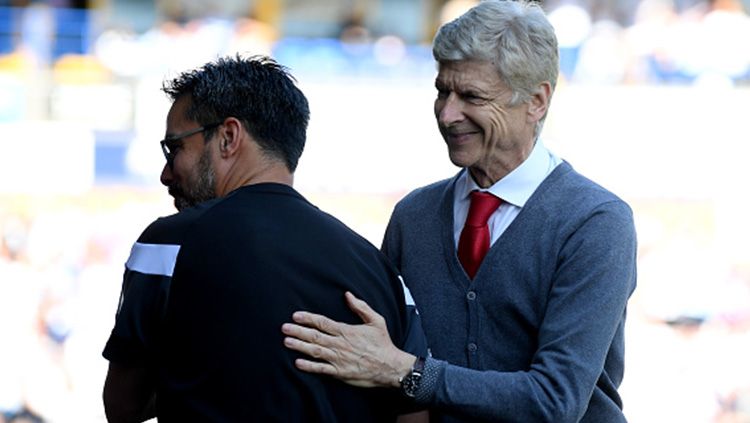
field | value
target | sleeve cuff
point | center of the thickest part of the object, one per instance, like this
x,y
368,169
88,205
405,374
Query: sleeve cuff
x,y
120,351
432,371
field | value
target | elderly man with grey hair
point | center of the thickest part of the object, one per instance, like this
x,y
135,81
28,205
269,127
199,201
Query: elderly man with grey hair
x,y
520,267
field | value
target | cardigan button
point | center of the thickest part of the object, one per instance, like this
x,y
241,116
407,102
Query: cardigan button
x,y
472,347
471,295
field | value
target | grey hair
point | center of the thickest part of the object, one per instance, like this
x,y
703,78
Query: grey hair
x,y
513,35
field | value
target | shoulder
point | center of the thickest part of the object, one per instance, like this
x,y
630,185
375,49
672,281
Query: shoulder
x,y
591,213
573,204
172,229
566,186
155,252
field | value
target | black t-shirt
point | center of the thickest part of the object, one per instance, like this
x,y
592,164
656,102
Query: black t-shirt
x,y
207,290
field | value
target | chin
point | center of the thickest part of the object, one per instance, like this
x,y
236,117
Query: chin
x,y
460,159
180,204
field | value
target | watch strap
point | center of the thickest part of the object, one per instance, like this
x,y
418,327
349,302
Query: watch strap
x,y
411,382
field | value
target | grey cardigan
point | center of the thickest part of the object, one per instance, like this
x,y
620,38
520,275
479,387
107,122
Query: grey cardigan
x,y
538,335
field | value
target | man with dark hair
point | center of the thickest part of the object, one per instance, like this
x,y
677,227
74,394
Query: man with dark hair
x,y
205,290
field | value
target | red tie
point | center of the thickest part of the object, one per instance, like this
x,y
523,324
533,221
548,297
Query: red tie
x,y
475,237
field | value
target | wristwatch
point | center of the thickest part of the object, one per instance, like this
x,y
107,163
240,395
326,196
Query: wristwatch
x,y
410,382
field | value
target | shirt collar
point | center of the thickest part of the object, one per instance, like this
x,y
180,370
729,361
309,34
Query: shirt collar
x,y
517,186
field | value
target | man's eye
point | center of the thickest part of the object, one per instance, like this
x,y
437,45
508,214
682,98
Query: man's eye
x,y
173,146
442,94
173,143
474,99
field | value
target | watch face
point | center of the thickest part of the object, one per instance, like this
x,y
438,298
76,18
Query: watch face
x,y
410,384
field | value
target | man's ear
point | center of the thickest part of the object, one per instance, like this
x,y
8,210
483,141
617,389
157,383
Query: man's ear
x,y
539,102
230,135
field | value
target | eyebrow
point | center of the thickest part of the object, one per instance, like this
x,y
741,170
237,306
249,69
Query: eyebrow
x,y
468,90
468,87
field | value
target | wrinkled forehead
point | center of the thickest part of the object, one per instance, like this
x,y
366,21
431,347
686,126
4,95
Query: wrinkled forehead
x,y
477,74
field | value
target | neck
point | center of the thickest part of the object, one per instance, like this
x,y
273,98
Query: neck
x,y
270,173
274,174
487,173
486,176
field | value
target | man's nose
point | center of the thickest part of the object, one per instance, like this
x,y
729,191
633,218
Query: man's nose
x,y
166,175
450,110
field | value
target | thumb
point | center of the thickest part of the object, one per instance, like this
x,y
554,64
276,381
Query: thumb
x,y
362,309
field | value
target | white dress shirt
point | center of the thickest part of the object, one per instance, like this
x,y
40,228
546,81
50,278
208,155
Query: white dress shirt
x,y
514,189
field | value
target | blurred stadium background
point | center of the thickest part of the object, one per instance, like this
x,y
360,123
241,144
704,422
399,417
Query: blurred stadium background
x,y
653,102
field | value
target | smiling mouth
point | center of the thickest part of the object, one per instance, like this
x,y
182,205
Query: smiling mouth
x,y
459,136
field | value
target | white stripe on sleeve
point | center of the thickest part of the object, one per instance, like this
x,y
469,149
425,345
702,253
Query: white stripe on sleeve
x,y
153,259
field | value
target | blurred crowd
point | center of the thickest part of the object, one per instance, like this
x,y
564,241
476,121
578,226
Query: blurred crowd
x,y
657,42
61,262
703,43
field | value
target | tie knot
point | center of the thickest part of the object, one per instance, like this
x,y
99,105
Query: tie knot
x,y
483,204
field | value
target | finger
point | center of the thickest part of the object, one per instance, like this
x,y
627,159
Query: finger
x,y
363,310
292,329
315,367
319,322
311,350
310,335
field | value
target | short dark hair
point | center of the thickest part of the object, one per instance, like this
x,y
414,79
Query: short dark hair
x,y
258,91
